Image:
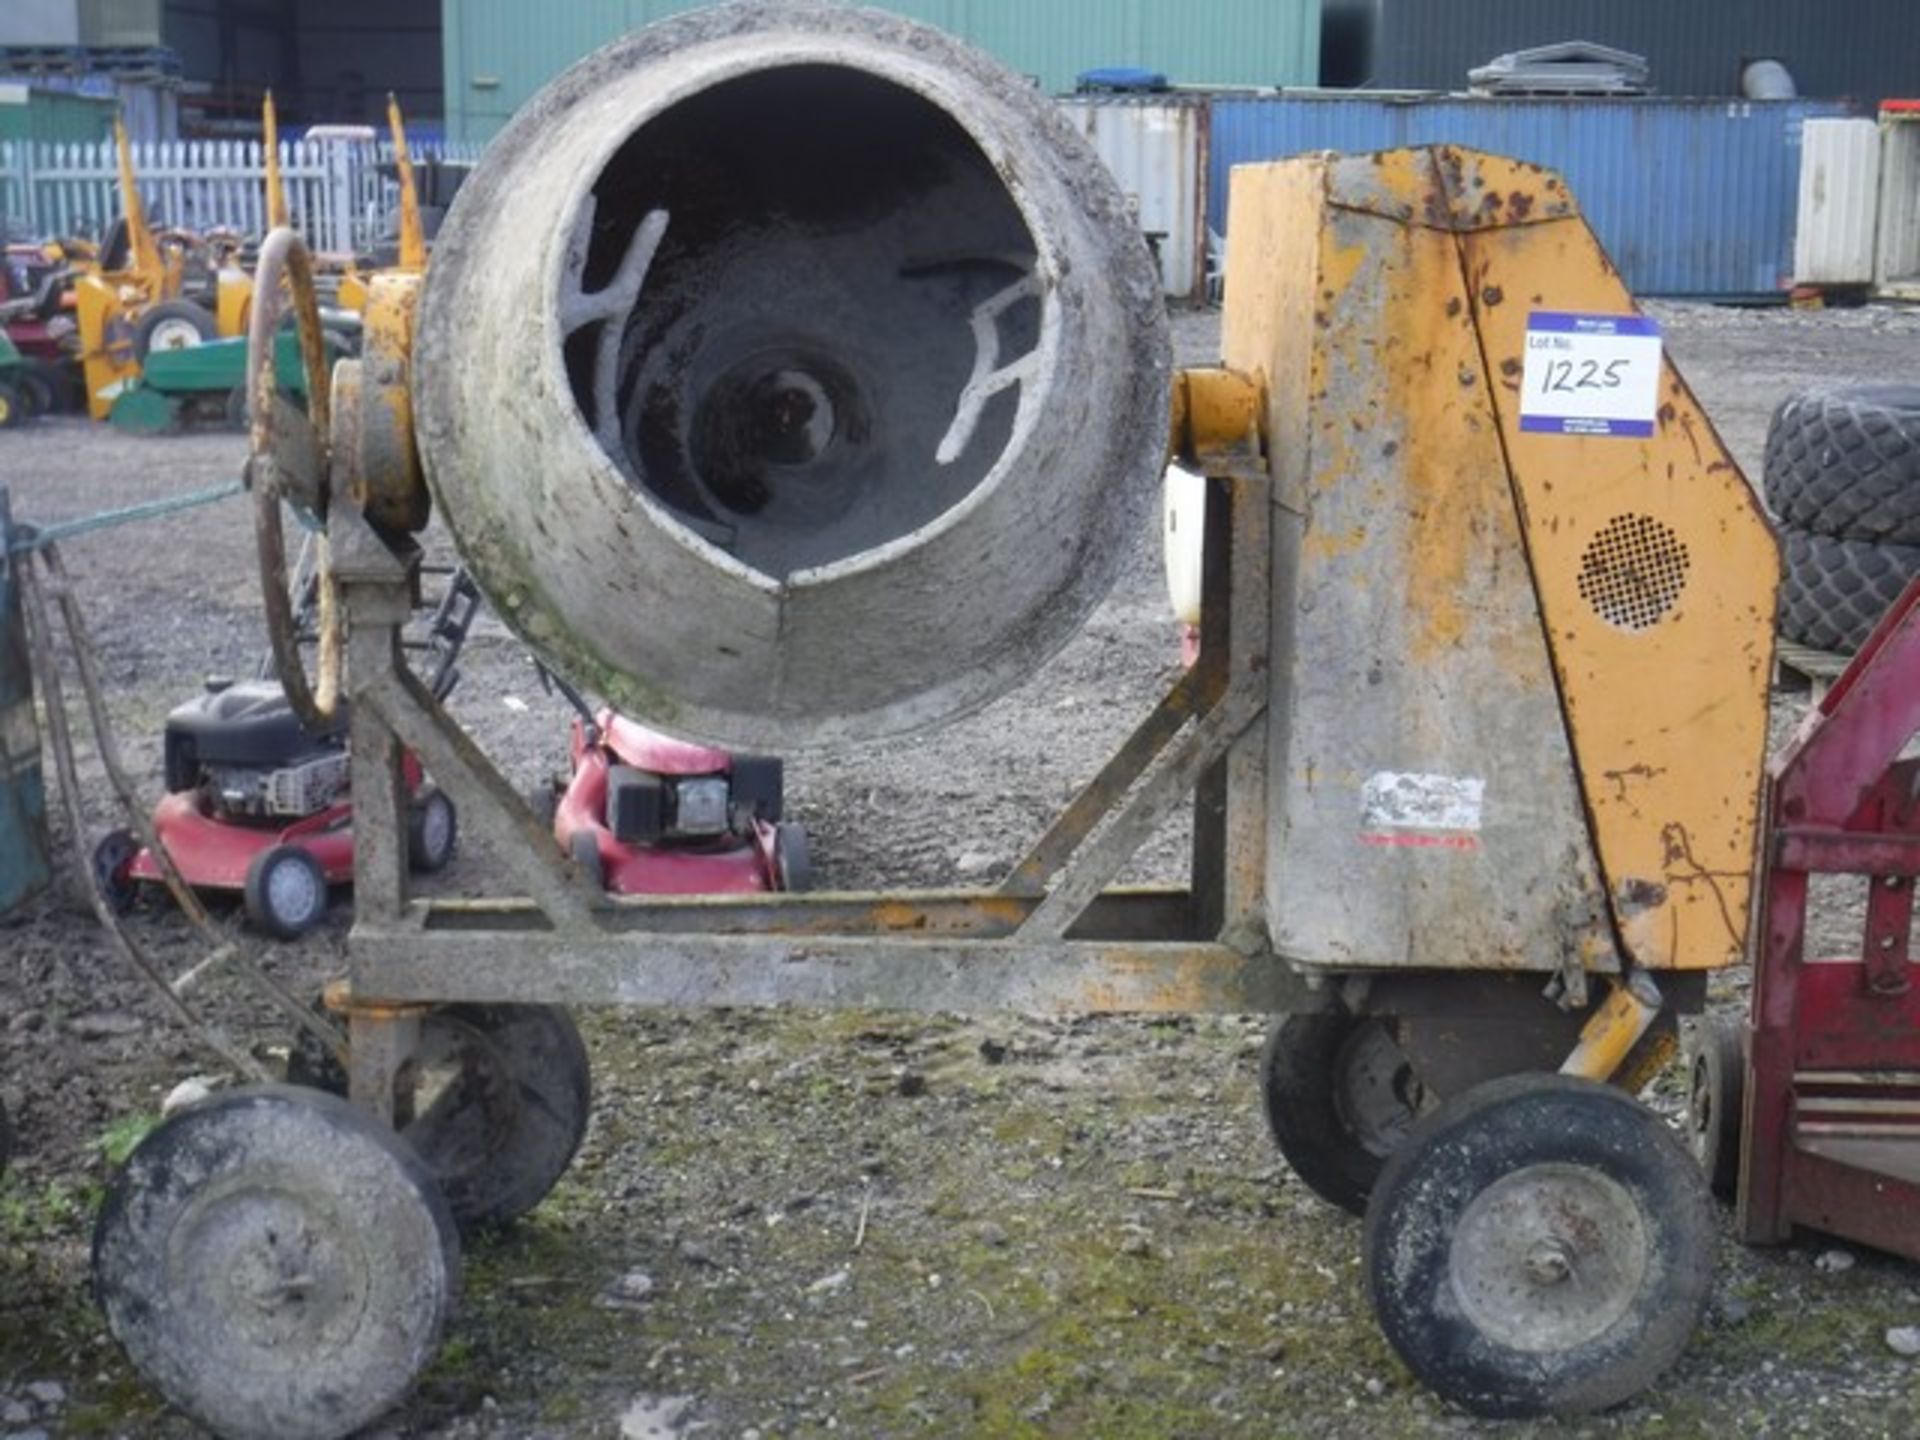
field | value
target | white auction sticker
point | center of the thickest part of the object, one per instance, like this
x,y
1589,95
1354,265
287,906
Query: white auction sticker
x,y
1403,808
1590,374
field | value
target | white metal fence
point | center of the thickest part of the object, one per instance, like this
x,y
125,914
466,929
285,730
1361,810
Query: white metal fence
x,y
336,194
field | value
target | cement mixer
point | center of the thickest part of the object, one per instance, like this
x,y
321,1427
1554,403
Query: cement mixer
x,y
793,375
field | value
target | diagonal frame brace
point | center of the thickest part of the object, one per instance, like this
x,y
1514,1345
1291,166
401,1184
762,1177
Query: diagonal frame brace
x,y
395,700
1223,707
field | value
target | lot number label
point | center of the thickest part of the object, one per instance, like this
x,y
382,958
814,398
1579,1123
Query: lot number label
x,y
1590,374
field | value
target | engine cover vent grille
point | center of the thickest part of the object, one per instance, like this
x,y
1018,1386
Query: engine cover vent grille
x,y
1633,571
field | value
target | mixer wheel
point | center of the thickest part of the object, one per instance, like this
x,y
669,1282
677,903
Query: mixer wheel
x,y
1340,1095
1716,1060
1539,1245
500,1103
276,1263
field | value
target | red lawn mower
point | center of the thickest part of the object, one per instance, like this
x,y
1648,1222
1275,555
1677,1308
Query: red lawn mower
x,y
646,814
37,320
258,804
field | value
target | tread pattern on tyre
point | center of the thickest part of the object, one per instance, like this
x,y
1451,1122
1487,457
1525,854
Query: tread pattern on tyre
x,y
1835,590
1846,463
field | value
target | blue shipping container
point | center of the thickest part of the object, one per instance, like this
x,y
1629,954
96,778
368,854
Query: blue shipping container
x,y
1690,197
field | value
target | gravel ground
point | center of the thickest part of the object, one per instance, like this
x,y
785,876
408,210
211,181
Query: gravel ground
x,y
787,1223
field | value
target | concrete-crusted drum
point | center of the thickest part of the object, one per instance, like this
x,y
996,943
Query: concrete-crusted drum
x,y
792,374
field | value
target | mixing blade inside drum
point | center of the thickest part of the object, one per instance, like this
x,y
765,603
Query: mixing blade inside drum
x,y
783,295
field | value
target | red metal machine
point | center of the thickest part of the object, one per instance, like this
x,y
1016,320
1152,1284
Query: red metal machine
x,y
1832,1105
645,814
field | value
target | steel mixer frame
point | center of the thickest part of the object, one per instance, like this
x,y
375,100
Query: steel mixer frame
x,y
1052,936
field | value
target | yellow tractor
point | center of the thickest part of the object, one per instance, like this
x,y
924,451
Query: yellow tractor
x,y
144,292
149,304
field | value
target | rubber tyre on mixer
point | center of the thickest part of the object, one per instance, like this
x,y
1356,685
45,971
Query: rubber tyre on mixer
x,y
501,1106
1539,1245
276,1264
1339,1097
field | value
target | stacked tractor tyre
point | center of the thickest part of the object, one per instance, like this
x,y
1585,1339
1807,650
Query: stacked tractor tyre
x,y
1843,482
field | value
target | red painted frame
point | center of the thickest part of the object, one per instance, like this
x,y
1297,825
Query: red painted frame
x,y
1833,1084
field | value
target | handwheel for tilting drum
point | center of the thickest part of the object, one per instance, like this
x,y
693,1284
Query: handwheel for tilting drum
x,y
1340,1095
501,1096
276,1264
1539,1245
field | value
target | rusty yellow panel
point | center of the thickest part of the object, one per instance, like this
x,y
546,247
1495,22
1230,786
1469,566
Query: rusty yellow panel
x,y
1656,571
1424,807
233,301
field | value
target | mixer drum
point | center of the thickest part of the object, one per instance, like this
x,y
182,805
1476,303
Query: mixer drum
x,y
791,373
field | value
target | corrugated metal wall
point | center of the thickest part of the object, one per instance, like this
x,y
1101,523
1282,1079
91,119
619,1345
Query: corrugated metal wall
x,y
498,52
1690,197
1897,255
29,113
1839,202
1867,49
1157,150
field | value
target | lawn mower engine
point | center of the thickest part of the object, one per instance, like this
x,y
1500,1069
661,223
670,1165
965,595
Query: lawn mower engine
x,y
240,748
259,804
647,814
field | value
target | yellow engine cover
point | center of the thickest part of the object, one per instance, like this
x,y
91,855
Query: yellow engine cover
x,y
1525,597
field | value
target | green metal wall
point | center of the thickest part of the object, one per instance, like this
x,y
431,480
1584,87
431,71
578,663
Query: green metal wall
x,y
498,52
52,115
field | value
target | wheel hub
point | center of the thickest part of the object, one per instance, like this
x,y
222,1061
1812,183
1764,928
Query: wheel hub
x,y
271,1273
292,891
174,335
437,829
1549,1257
1376,1095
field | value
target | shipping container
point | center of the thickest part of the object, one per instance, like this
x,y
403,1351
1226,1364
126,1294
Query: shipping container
x,y
1861,49
497,53
1839,202
1897,253
1690,197
28,112
1156,148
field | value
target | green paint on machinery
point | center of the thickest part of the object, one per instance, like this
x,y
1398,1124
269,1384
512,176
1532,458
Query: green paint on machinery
x,y
209,377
